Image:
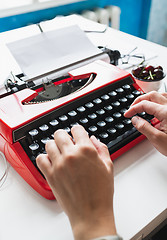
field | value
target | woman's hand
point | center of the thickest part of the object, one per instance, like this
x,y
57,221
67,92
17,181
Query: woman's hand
x,y
155,104
80,174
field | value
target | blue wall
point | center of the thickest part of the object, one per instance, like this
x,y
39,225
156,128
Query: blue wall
x,y
134,15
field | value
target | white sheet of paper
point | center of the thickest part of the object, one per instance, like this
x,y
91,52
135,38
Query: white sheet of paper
x,y
64,21
48,51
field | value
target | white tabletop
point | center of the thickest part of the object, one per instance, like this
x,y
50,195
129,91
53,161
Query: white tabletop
x,y
140,199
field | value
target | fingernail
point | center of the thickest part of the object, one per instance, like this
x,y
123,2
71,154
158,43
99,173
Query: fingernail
x,y
135,120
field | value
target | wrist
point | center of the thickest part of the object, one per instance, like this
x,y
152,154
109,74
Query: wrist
x,y
91,229
111,237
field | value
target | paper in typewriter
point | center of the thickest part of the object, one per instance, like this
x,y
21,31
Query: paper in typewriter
x,y
49,51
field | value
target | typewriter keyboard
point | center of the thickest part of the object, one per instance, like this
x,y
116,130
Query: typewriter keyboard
x,y
100,112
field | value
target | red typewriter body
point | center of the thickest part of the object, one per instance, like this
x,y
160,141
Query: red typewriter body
x,y
16,114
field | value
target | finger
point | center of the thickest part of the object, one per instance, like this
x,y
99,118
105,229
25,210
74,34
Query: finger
x,y
164,95
152,96
80,135
155,136
52,150
44,163
63,140
145,128
101,149
145,106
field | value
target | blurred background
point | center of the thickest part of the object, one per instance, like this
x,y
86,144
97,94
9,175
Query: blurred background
x,y
157,30
143,18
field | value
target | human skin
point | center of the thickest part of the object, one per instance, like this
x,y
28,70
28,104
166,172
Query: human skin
x,y
153,103
80,173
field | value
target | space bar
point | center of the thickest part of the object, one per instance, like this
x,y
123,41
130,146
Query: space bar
x,y
122,140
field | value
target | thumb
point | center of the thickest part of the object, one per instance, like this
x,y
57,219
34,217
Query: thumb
x,y
144,127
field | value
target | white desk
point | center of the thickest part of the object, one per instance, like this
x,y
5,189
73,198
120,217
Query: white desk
x,y
140,200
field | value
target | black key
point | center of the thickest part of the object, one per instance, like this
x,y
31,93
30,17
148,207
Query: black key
x,y
34,147
97,101
73,124
92,129
120,126
123,100
117,115
116,104
130,97
119,90
100,111
127,122
112,94
101,124
104,136
89,105
112,131
72,113
92,116
123,110
54,123
81,109
45,140
126,87
105,97
83,121
136,93
109,119
44,129
33,134
108,108
63,118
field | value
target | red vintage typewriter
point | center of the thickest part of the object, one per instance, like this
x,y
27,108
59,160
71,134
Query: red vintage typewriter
x,y
95,96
